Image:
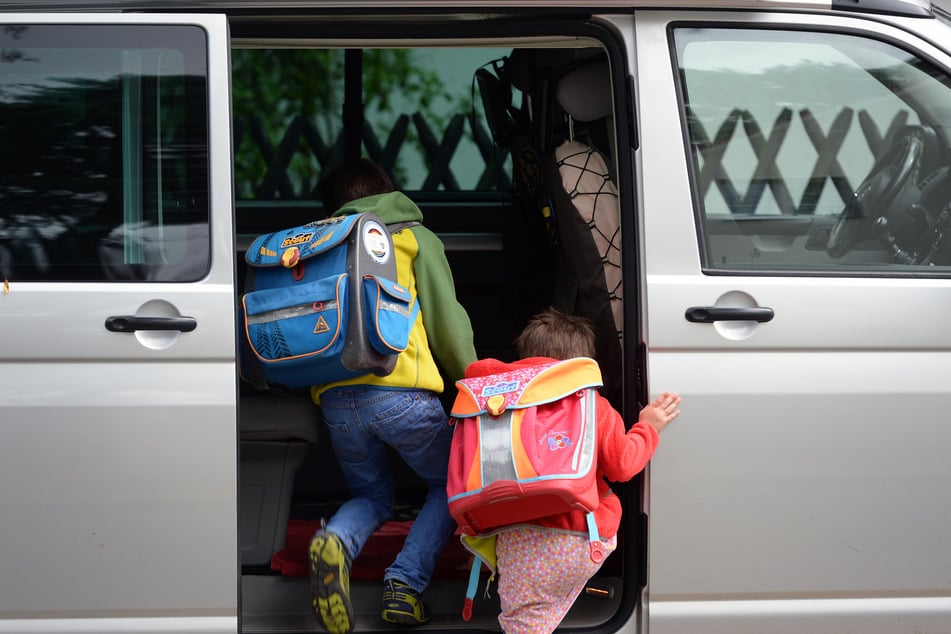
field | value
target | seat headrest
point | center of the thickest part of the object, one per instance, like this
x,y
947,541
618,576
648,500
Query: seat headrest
x,y
585,93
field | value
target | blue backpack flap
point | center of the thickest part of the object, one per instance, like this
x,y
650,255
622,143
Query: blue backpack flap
x,y
325,305
386,314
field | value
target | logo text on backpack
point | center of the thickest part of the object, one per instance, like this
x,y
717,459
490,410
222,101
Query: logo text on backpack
x,y
300,238
499,388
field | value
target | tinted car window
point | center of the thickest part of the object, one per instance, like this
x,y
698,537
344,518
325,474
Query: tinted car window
x,y
104,169
816,152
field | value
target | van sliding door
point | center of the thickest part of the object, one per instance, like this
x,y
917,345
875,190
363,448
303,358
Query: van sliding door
x,y
117,372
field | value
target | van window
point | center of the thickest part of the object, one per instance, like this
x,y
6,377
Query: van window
x,y
816,152
411,110
103,171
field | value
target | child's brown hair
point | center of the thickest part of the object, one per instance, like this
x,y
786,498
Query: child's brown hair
x,y
557,335
357,179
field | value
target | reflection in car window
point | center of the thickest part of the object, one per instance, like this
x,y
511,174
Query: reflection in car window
x,y
816,152
104,167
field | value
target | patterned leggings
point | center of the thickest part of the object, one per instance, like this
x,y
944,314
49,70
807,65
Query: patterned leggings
x,y
541,573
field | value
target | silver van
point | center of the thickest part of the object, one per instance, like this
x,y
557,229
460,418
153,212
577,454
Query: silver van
x,y
750,200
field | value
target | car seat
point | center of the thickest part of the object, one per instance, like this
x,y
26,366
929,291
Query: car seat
x,y
586,209
276,433
563,183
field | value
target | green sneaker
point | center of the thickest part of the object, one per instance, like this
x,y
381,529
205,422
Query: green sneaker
x,y
330,582
402,604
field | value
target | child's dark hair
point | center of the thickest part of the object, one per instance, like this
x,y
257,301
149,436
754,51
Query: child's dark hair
x,y
557,335
347,182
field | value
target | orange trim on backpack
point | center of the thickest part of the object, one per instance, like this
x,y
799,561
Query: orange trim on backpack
x,y
474,480
465,404
560,380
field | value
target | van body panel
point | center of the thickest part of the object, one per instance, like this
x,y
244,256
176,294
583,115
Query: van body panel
x,y
804,486
811,446
172,625
795,616
120,448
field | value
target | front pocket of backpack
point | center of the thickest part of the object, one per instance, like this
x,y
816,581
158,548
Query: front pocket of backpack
x,y
389,317
300,320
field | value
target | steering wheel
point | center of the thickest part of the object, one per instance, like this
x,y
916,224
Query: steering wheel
x,y
881,194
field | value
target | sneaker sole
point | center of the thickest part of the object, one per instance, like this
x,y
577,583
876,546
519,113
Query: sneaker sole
x,y
330,584
402,618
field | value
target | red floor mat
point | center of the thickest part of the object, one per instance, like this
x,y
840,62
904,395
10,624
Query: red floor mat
x,y
377,554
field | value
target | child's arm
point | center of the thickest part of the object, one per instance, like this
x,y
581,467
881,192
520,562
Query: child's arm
x,y
623,454
661,411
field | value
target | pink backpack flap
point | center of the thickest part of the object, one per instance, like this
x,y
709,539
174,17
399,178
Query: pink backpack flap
x,y
524,445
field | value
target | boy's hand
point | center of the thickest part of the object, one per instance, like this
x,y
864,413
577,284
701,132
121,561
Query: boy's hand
x,y
661,411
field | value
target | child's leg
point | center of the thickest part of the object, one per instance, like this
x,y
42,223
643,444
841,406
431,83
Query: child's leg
x,y
541,573
421,435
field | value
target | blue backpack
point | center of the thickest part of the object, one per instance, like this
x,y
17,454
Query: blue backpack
x,y
323,303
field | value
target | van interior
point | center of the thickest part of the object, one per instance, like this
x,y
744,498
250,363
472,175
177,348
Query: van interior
x,y
509,149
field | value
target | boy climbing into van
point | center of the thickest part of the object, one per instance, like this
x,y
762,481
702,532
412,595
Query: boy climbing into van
x,y
544,564
402,409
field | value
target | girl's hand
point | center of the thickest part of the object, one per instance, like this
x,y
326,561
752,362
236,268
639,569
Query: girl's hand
x,y
660,412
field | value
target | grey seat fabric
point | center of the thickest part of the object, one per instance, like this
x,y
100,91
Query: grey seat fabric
x,y
277,431
586,208
558,139
585,95
279,416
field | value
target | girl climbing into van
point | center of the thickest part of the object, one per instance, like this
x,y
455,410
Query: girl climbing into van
x,y
544,566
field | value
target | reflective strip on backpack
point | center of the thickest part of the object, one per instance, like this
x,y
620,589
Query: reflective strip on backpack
x,y
585,450
290,312
495,444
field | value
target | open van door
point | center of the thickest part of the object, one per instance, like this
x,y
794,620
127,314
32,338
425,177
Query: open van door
x,y
117,371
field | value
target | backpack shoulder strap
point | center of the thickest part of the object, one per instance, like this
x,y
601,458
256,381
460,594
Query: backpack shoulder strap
x,y
398,226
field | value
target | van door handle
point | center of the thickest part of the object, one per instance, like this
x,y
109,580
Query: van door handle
x,y
710,314
131,323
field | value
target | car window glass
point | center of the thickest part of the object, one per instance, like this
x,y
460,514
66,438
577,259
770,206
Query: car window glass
x,y
104,167
283,137
816,152
419,121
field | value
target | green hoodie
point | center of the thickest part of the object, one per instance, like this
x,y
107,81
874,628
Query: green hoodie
x,y
442,333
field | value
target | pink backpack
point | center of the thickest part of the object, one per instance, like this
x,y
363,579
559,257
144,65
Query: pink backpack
x,y
524,447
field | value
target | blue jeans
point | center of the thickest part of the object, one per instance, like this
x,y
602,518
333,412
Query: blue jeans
x,y
361,421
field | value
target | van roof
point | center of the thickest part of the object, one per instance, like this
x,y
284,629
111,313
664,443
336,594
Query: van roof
x,y
916,8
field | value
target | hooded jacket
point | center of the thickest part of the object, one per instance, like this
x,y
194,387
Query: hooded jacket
x,y
441,337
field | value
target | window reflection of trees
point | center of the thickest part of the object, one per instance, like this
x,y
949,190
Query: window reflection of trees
x,y
61,177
